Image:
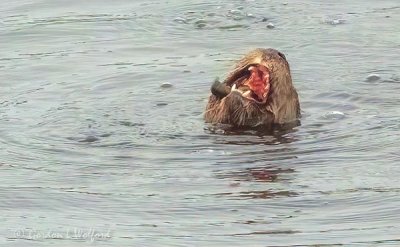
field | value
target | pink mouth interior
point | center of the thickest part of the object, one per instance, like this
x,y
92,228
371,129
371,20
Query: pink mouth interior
x,y
258,82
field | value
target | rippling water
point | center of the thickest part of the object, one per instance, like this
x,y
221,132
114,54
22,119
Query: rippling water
x,y
102,140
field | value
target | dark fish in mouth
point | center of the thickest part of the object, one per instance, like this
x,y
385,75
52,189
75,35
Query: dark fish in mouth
x,y
259,91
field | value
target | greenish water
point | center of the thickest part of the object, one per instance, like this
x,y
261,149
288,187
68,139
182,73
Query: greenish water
x,y
94,151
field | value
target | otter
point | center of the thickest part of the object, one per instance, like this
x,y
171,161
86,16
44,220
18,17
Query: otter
x,y
258,92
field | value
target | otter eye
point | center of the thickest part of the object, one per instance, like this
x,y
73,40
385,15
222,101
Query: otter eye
x,y
281,55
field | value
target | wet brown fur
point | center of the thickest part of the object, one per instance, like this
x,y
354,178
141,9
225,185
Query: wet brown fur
x,y
281,107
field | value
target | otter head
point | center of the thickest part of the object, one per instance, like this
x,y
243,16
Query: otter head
x,y
259,91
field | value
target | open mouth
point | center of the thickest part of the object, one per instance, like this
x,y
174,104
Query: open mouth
x,y
254,84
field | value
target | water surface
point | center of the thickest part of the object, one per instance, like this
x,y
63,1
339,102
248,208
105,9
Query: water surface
x,y
91,140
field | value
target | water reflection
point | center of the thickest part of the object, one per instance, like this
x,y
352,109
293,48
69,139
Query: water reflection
x,y
260,194
264,156
264,174
258,174
270,232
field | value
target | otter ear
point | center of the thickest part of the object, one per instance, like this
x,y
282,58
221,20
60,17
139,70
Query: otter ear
x,y
282,55
220,90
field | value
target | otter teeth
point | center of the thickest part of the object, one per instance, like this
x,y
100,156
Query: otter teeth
x,y
233,87
246,94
